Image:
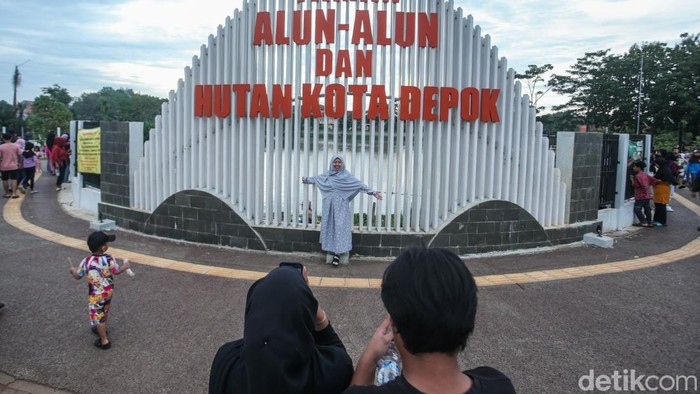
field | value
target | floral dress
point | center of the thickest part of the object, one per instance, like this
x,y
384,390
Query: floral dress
x,y
99,270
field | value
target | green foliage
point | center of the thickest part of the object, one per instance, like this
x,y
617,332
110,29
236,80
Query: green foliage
x,y
48,114
668,139
604,88
58,93
559,121
8,117
111,104
382,220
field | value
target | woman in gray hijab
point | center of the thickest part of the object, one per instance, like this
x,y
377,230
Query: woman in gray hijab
x,y
338,187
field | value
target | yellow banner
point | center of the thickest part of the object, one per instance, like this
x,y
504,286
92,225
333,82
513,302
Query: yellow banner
x,y
89,151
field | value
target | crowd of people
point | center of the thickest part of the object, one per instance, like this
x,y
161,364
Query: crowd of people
x,y
669,171
20,161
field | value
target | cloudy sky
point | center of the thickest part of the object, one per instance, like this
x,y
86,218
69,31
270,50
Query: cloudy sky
x,y
145,44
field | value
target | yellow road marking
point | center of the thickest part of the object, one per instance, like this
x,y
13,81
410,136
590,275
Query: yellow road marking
x,y
12,214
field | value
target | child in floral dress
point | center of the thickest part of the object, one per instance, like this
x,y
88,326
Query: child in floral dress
x,y
99,267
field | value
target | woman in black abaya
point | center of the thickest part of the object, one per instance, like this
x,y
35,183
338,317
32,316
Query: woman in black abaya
x,y
288,344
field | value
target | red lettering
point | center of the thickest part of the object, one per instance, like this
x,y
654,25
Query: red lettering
x,y
382,37
489,110
259,103
409,107
470,104
342,65
335,101
429,102
263,29
358,92
405,32
363,63
428,29
324,59
362,30
301,37
325,26
310,106
222,100
280,38
449,98
202,100
241,90
377,103
282,101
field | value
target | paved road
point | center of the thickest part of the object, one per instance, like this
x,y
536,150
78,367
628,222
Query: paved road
x,y
166,325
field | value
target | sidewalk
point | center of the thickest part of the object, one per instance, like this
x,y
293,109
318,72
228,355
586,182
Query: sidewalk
x,y
43,210
10,385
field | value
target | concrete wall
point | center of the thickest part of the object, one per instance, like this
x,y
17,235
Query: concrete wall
x,y
579,159
118,160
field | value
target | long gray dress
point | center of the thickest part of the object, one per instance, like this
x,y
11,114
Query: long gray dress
x,y
338,188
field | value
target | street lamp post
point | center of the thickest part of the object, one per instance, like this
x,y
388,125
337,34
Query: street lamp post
x,y
639,93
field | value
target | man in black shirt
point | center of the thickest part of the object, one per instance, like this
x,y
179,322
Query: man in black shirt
x,y
431,299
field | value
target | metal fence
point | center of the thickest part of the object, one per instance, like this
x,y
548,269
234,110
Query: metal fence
x,y
608,171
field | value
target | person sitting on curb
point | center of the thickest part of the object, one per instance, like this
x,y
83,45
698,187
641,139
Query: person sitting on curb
x,y
430,296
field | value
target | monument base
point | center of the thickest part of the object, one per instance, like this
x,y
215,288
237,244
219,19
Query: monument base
x,y
103,225
601,241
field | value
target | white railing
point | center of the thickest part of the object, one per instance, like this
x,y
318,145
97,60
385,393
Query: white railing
x,y
428,171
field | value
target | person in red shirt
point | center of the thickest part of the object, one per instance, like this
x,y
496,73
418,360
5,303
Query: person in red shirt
x,y
642,182
59,155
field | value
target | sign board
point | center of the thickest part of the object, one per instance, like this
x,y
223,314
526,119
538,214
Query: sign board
x,y
89,151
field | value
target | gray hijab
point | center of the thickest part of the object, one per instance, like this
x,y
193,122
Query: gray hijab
x,y
341,181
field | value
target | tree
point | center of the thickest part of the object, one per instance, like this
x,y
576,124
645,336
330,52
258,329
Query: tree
x,y
48,114
8,117
588,89
559,121
532,77
111,104
604,93
58,93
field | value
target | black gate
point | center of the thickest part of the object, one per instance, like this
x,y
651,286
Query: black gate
x,y
608,171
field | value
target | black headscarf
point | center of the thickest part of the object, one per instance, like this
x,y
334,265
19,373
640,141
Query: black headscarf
x,y
663,173
280,351
50,139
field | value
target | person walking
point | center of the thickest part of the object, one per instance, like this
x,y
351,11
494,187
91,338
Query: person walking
x,y
338,187
48,147
99,268
59,156
10,162
30,161
693,170
662,191
641,181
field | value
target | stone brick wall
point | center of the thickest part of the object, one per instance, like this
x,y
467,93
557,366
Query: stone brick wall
x,y
585,179
114,180
490,226
198,216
